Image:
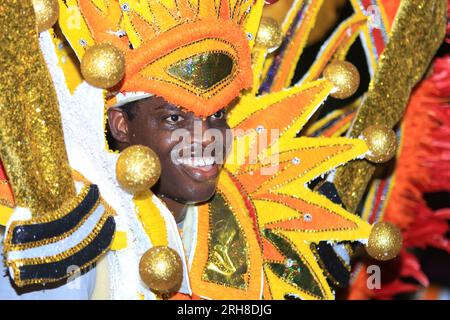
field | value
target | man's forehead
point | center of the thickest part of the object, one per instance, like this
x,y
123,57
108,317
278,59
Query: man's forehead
x,y
157,103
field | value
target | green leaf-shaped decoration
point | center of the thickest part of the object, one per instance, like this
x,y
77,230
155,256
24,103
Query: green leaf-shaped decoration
x,y
203,70
294,271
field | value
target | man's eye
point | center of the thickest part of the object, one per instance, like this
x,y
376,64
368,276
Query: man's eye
x,y
218,115
174,118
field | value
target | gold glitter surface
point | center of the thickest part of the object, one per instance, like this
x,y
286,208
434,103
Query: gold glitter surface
x,y
203,70
345,78
417,33
137,169
103,65
382,143
161,269
269,34
47,13
385,241
228,253
31,138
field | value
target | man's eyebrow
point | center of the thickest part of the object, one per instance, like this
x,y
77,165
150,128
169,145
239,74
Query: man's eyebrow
x,y
165,106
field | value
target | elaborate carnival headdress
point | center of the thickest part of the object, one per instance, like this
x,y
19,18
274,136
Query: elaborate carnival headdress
x,y
195,54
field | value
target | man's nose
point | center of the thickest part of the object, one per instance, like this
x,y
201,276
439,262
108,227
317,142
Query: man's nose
x,y
200,128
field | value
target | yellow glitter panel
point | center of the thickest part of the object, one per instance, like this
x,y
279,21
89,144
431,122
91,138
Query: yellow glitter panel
x,y
259,56
151,219
67,60
253,20
119,241
74,26
31,136
417,33
5,214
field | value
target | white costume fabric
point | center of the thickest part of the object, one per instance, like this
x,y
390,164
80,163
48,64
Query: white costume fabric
x,y
83,124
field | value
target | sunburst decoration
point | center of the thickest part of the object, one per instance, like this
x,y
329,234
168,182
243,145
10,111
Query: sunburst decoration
x,y
289,217
168,43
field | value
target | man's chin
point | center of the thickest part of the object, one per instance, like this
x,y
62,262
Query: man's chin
x,y
200,197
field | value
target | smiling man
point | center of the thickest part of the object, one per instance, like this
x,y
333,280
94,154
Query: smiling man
x,y
191,162
236,232
186,65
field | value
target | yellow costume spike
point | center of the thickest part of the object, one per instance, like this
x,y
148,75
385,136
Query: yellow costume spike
x,y
206,8
259,56
281,202
185,9
283,287
139,29
162,17
102,5
224,10
170,4
163,40
72,23
273,111
252,21
114,11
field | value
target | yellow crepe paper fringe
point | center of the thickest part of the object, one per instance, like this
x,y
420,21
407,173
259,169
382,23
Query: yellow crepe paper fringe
x,y
151,219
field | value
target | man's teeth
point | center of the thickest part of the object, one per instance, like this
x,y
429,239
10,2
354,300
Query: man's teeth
x,y
197,162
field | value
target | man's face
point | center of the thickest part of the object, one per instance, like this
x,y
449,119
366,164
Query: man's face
x,y
191,158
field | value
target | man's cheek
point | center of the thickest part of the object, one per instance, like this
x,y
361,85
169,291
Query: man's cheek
x,y
163,144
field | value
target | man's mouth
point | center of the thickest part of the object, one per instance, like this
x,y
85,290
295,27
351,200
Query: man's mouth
x,y
200,169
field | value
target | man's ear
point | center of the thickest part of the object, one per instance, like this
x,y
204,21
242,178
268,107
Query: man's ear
x,y
118,124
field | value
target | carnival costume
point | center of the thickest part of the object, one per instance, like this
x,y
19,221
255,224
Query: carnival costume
x,y
262,236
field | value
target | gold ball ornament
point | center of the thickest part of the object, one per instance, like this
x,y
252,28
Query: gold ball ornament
x,y
345,78
269,34
161,269
382,143
385,241
47,13
137,169
103,65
